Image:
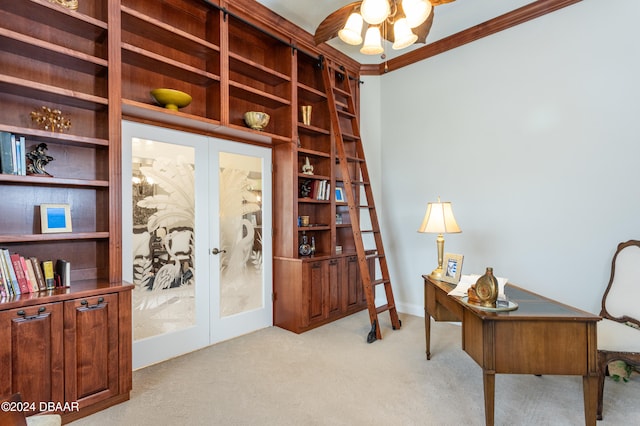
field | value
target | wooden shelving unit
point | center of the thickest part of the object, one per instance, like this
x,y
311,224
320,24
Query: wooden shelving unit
x,y
98,65
58,58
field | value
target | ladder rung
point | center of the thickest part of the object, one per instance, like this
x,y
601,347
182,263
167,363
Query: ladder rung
x,y
374,256
341,92
380,281
349,136
346,113
383,308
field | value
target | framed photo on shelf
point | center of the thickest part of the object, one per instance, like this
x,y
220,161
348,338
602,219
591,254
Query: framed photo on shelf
x,y
55,218
339,195
452,264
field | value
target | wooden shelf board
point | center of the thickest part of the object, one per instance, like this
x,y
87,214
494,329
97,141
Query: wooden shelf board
x,y
153,29
316,177
48,136
256,71
52,181
37,238
134,109
251,94
47,93
314,153
46,13
312,130
150,61
50,53
311,94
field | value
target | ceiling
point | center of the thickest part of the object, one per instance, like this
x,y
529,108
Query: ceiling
x,y
448,19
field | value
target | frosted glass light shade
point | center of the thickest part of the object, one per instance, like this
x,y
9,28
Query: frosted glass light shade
x,y
372,42
416,11
402,35
375,11
352,31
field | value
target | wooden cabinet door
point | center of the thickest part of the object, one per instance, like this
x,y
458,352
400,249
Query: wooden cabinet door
x,y
333,303
91,349
315,279
31,353
352,284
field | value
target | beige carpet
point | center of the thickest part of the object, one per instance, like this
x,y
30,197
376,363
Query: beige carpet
x,y
331,376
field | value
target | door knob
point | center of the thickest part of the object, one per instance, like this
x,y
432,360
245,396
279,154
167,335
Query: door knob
x,y
216,251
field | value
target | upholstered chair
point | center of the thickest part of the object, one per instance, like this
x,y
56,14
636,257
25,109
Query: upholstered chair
x,y
619,330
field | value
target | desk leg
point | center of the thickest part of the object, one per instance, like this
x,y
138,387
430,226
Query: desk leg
x,y
489,380
590,391
427,333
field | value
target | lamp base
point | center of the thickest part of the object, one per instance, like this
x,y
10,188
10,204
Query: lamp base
x,y
437,274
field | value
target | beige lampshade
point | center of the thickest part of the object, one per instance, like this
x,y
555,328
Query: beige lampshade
x,y
352,31
372,42
402,35
439,219
375,11
416,11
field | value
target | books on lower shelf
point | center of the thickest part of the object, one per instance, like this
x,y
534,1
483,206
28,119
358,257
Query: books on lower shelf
x,y
23,275
316,189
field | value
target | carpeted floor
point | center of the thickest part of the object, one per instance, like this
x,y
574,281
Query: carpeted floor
x,y
331,376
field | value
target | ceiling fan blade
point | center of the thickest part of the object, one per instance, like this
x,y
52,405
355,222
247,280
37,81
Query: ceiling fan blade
x,y
333,23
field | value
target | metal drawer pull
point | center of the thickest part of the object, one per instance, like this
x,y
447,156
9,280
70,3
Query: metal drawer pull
x,y
23,313
97,305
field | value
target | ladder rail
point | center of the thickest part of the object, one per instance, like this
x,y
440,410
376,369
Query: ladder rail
x,y
360,183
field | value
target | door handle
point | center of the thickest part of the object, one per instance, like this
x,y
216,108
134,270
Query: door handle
x,y
216,251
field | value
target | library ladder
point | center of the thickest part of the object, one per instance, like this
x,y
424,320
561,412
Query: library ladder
x,y
359,196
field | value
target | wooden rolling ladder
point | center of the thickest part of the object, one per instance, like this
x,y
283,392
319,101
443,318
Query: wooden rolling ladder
x,y
359,196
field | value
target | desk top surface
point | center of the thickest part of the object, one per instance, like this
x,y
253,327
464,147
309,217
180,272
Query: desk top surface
x,y
530,305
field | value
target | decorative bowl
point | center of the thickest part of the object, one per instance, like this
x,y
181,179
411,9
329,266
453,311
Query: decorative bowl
x,y
171,98
256,120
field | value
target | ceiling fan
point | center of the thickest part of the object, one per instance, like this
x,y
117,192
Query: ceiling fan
x,y
402,22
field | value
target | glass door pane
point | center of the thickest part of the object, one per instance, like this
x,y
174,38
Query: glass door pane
x,y
244,239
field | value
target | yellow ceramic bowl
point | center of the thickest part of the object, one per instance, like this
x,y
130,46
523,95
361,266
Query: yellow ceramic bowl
x,y
171,98
256,120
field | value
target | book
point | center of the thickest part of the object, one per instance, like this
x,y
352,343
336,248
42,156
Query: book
x,y
37,270
6,158
19,271
47,273
8,266
5,277
28,272
14,155
63,270
4,291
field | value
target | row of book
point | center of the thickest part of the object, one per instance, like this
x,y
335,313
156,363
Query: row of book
x,y
13,154
316,189
20,275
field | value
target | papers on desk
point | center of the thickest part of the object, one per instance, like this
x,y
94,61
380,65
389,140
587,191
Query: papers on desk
x,y
467,281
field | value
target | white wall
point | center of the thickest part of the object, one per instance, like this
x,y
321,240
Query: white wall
x,y
533,135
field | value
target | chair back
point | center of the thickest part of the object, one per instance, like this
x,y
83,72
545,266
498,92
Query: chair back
x,y
620,300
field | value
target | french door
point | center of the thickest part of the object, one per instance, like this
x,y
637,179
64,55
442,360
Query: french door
x,y
196,239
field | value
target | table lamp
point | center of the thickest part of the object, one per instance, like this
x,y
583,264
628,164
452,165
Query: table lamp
x,y
439,220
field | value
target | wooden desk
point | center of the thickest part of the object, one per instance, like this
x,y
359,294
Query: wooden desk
x,y
541,337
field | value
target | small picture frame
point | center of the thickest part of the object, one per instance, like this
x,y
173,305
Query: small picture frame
x,y
55,218
339,195
452,265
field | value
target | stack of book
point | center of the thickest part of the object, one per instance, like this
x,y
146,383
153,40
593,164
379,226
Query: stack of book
x,y
21,275
13,160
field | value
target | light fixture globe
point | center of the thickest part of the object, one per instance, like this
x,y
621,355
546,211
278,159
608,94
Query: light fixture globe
x,y
375,12
352,31
402,35
416,11
372,42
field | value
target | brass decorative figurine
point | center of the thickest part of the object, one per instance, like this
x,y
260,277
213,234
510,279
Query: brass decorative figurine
x,y
50,119
69,4
38,159
485,291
